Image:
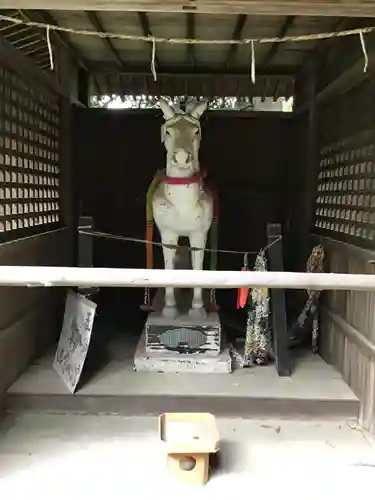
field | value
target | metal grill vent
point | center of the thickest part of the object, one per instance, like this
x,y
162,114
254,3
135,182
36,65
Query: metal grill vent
x,y
183,338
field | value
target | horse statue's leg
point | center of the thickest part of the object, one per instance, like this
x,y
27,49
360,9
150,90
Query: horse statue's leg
x,y
197,240
169,238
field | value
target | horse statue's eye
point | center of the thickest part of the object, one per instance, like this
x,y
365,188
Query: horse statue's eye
x,y
196,131
168,132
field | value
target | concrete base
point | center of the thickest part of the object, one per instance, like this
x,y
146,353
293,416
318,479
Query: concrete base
x,y
101,455
172,362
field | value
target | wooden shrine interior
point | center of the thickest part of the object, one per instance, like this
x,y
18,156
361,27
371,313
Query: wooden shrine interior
x,y
297,169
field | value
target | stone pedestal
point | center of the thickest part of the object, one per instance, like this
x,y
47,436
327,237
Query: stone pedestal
x,y
183,335
183,344
173,362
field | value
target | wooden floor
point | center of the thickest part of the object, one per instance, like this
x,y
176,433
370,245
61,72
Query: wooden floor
x,y
111,386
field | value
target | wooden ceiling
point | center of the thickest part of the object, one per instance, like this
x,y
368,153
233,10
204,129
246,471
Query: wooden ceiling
x,y
340,8
122,66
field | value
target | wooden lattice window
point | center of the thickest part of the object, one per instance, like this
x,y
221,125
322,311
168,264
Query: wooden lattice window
x,y
345,202
29,158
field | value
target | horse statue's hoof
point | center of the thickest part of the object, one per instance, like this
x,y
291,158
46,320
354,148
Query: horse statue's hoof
x,y
198,313
169,312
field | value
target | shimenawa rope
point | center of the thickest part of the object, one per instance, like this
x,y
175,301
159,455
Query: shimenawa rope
x,y
194,41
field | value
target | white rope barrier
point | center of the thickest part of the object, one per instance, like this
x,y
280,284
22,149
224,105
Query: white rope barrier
x,y
47,276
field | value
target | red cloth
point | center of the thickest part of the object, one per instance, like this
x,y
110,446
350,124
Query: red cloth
x,y
242,294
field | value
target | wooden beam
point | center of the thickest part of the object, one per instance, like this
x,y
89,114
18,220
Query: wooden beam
x,y
105,67
145,25
96,22
211,115
311,171
30,41
83,86
276,46
346,81
49,276
24,66
348,8
17,32
67,188
34,49
353,73
96,85
61,38
212,86
190,33
321,45
352,64
236,35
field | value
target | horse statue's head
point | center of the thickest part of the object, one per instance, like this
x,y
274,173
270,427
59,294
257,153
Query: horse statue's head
x,y
181,133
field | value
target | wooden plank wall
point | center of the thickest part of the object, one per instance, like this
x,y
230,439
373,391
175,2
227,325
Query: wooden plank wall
x,y
30,318
345,221
348,327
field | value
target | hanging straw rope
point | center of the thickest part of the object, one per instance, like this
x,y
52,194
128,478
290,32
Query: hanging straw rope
x,y
192,41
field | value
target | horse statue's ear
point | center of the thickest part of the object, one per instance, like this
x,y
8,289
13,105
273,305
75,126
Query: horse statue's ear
x,y
196,109
177,109
190,105
168,111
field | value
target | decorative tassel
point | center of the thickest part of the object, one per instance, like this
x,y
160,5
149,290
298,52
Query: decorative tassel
x,y
149,237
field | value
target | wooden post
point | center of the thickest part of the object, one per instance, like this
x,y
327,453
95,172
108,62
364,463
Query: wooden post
x,y
310,180
85,256
278,307
85,243
67,206
83,86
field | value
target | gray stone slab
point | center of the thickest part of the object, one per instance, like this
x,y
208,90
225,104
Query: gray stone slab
x,y
172,362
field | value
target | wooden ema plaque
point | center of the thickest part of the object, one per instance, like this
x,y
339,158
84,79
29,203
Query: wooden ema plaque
x,y
189,439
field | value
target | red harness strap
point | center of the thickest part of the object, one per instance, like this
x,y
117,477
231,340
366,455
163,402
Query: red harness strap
x,y
194,179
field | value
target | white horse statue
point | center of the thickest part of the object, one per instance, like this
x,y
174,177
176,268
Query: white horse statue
x,y
181,205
